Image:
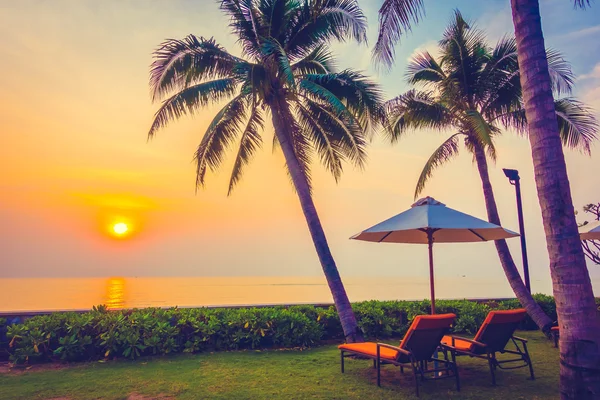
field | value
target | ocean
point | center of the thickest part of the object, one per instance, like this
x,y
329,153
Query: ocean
x,y
44,294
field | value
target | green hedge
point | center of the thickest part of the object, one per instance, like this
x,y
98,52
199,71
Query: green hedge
x,y
103,334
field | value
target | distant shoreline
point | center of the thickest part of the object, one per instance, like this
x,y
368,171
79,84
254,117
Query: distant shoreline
x,y
31,313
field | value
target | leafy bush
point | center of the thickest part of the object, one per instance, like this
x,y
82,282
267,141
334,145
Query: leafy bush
x,y
101,333
133,333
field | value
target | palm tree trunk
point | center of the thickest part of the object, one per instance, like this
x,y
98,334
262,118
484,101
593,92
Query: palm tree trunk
x,y
577,315
282,123
508,263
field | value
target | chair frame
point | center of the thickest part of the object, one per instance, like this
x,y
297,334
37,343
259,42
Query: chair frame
x,y
555,333
419,367
489,355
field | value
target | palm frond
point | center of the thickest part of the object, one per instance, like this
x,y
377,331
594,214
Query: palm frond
x,y
220,134
362,97
482,131
249,143
561,74
190,99
245,25
343,130
321,21
177,63
273,48
395,19
581,4
330,156
576,123
498,84
312,89
415,110
444,153
464,55
578,127
424,69
318,61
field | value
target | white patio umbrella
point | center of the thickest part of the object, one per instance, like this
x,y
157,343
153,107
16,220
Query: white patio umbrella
x,y
429,221
590,231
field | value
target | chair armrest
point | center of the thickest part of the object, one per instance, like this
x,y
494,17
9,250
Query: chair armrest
x,y
476,343
520,339
448,347
398,349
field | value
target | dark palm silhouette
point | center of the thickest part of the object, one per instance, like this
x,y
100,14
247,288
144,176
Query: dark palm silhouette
x,y
473,90
577,315
287,73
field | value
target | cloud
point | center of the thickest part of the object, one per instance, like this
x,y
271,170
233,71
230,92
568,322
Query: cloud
x,y
593,74
582,32
431,46
589,93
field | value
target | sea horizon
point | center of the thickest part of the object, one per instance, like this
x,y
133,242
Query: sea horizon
x,y
81,293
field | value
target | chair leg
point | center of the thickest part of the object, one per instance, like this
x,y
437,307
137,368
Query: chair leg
x,y
555,339
491,361
401,369
416,374
528,360
421,369
378,364
456,371
342,361
374,364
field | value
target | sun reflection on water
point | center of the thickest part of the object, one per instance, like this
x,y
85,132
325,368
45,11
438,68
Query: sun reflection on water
x,y
115,293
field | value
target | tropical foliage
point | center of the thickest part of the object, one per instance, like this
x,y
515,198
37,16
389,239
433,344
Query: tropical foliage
x,y
591,248
286,71
286,59
104,334
474,91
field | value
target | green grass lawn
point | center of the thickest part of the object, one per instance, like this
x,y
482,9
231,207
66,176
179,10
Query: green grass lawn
x,y
289,374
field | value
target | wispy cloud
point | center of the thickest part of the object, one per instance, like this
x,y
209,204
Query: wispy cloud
x,y
582,32
431,46
593,74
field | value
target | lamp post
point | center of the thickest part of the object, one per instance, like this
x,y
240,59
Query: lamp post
x,y
514,179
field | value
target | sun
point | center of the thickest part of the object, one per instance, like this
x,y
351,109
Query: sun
x,y
120,228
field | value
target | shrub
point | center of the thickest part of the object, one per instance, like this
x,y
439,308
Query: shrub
x,y
101,333
133,333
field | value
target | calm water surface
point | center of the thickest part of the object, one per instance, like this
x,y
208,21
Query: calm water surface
x,y
116,292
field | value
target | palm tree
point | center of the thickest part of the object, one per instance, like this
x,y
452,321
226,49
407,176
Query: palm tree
x,y
577,315
473,90
287,71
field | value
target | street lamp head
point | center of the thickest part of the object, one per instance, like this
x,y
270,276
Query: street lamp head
x,y
511,174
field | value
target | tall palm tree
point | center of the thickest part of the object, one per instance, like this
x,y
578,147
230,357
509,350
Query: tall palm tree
x,y
577,315
474,90
286,71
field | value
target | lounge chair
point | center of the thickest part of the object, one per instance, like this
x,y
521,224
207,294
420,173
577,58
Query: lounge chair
x,y
415,351
493,336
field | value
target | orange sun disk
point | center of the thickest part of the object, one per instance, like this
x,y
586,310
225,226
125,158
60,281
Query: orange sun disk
x,y
120,228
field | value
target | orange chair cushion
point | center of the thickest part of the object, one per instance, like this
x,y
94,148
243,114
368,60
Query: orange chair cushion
x,y
555,328
500,317
458,343
428,322
370,349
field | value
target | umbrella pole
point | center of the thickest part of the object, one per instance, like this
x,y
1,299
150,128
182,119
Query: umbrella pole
x,y
431,279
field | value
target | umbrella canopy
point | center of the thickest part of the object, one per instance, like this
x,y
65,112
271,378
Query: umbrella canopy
x,y
429,221
590,231
428,214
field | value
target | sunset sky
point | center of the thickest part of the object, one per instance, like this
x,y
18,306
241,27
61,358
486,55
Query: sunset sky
x,y
74,158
